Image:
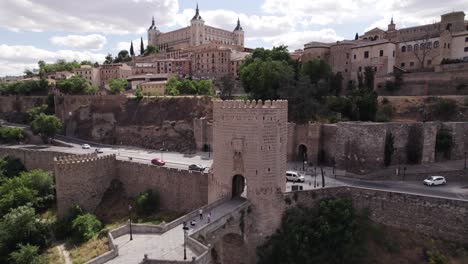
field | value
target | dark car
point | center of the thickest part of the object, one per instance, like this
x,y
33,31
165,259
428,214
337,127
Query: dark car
x,y
158,162
196,167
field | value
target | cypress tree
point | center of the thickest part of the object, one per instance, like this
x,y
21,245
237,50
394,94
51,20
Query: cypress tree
x,y
356,37
142,47
132,52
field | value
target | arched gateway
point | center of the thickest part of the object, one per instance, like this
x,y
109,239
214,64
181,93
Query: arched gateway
x,y
250,140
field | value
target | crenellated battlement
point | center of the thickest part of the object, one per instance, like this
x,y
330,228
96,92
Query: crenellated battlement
x,y
246,104
74,159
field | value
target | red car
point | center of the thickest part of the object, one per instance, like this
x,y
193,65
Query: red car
x,y
158,162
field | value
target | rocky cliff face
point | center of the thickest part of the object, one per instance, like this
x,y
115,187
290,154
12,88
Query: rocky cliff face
x,y
146,123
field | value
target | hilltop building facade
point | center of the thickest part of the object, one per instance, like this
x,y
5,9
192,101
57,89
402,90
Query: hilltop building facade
x,y
194,35
408,49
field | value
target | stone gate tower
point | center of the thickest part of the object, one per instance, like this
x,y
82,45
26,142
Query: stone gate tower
x,y
250,140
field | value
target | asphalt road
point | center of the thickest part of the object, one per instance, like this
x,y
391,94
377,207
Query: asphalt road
x,y
452,190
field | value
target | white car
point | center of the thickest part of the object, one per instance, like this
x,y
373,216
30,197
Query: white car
x,y
294,176
434,180
85,146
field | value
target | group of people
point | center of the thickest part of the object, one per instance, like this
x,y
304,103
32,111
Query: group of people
x,y
193,223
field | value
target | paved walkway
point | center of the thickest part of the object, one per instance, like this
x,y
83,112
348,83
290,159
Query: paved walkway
x,y
169,245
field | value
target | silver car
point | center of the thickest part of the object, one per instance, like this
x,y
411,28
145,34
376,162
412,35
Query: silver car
x,y
435,180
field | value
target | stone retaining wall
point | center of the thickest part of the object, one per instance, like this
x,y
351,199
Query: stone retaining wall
x,y
432,216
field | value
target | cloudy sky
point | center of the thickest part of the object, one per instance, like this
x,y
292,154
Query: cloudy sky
x,y
32,30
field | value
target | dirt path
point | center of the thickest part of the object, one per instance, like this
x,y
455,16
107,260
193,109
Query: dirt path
x,y
64,254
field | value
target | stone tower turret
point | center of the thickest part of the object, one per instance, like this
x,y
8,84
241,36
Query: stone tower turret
x,y
239,34
391,33
198,29
153,33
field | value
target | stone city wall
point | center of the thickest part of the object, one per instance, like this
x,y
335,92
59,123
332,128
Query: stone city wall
x,y
359,147
307,135
82,180
32,158
179,190
432,216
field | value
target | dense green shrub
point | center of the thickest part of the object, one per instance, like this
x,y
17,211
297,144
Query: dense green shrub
x,y
184,86
76,85
389,149
435,257
11,167
20,226
384,113
444,142
63,228
328,233
10,134
147,202
29,87
85,227
444,109
35,187
26,254
34,112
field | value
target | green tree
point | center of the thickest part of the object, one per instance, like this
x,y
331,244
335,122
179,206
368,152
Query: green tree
x,y
267,79
20,226
147,202
117,85
369,76
50,101
46,126
317,70
150,49
122,56
36,111
142,47
172,87
389,149
11,167
204,87
227,83
187,87
132,51
85,227
329,233
139,94
302,103
74,85
109,59
26,254
336,83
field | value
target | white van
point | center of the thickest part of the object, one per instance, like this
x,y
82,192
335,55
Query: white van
x,y
294,176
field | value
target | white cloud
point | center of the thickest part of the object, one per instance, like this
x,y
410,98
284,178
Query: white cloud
x,y
92,42
124,45
14,59
85,16
296,40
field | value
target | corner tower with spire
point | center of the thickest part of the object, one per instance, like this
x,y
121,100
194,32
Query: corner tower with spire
x,y
239,34
153,34
198,32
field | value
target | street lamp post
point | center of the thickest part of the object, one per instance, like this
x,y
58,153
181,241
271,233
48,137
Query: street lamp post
x,y
162,151
303,165
404,173
130,220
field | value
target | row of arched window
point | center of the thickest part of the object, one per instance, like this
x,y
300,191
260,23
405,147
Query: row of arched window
x,y
421,46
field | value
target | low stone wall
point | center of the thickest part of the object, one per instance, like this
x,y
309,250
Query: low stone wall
x,y
179,190
432,216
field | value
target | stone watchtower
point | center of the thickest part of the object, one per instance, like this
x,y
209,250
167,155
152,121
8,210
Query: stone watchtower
x,y
197,29
153,33
239,34
250,140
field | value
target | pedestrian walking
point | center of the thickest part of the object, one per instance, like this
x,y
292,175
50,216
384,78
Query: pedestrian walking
x,y
201,213
209,217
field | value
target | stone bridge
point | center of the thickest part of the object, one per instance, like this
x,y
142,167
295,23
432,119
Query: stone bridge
x,y
206,242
